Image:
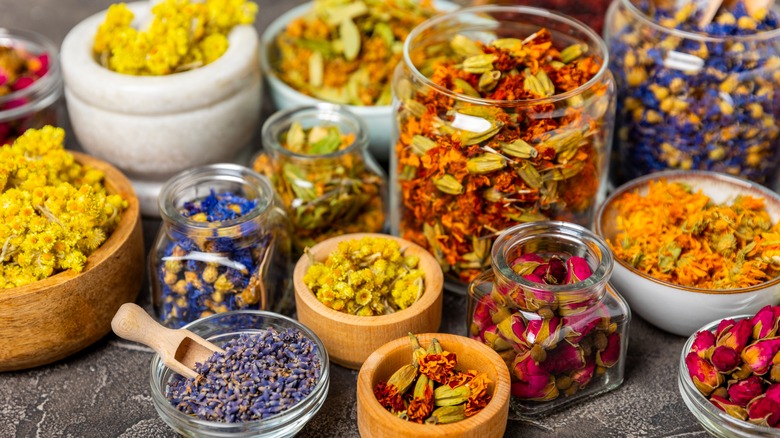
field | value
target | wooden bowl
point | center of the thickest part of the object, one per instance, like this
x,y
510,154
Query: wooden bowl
x,y
375,421
349,339
55,317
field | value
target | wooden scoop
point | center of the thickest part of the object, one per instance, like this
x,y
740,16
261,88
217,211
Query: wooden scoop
x,y
179,349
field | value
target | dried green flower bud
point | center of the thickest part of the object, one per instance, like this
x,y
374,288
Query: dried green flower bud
x,y
446,396
447,414
519,149
468,90
479,63
448,184
488,80
532,84
511,44
572,52
529,174
547,84
464,46
485,163
403,378
422,144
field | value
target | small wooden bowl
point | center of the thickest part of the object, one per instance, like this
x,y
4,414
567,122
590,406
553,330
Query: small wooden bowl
x,y
376,422
349,339
55,317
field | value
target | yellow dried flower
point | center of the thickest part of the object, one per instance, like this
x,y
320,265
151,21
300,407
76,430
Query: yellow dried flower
x,y
182,35
53,211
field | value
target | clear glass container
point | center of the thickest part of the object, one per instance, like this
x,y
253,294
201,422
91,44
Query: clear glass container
x,y
35,105
200,268
590,12
561,342
714,420
455,211
219,329
691,100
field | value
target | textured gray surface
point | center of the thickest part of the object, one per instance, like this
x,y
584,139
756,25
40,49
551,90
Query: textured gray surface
x,y
103,391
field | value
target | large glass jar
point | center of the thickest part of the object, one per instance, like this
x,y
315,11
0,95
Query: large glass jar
x,y
562,342
328,190
202,264
693,96
30,83
476,153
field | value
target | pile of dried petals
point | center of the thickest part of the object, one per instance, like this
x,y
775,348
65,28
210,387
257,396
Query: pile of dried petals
x,y
440,394
473,166
735,367
554,344
680,236
346,51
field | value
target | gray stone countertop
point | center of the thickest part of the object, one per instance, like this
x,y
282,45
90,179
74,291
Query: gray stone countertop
x,y
103,391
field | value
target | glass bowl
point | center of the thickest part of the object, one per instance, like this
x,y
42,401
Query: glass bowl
x,y
715,421
219,328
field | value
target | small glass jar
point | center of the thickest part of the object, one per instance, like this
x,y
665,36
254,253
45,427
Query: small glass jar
x,y
590,12
31,102
199,268
467,167
688,99
561,342
325,194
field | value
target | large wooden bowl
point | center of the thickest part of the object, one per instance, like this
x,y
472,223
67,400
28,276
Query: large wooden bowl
x,y
53,318
376,422
349,339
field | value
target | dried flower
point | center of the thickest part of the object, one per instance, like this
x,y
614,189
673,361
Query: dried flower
x,y
743,391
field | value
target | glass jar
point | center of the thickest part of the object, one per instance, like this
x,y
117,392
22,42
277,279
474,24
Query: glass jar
x,y
691,100
31,99
467,167
198,268
326,194
562,342
590,12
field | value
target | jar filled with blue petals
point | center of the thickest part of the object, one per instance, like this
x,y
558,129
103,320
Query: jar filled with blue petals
x,y
224,244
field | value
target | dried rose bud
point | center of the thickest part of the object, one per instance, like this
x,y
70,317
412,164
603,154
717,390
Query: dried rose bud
x,y
564,359
582,377
764,323
493,339
725,359
704,344
580,325
736,336
723,325
577,269
527,263
513,330
556,271
546,332
524,367
743,391
539,388
729,407
764,411
758,356
482,314
610,355
704,375
535,299
773,392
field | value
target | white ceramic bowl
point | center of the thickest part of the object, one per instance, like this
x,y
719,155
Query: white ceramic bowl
x,y
378,119
153,127
679,309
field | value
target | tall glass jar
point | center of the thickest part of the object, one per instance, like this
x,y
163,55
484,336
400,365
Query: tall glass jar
x,y
562,342
692,96
330,190
485,140
30,83
201,264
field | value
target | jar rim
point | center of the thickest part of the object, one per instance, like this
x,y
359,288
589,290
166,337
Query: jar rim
x,y
45,90
589,239
214,172
525,10
698,36
333,113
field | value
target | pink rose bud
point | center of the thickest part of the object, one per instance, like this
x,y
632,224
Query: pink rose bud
x,y
704,375
527,263
743,391
539,388
545,332
493,339
513,330
610,355
764,323
583,376
764,411
580,325
577,269
524,367
22,83
564,359
758,356
723,325
773,392
725,359
482,311
555,272
729,407
736,336
15,103
704,344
